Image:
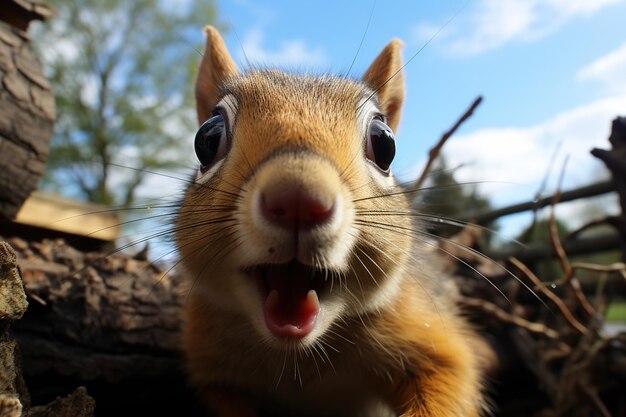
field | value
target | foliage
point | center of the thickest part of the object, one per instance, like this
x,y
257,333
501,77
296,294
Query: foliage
x,y
616,312
121,71
442,195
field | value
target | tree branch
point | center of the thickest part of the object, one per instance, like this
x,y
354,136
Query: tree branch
x,y
436,150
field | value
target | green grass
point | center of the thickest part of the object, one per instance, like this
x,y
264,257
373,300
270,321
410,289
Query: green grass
x,y
616,312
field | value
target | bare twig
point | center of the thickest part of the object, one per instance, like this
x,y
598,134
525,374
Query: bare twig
x,y
616,267
557,246
581,297
436,150
544,182
36,298
609,220
507,317
540,287
595,399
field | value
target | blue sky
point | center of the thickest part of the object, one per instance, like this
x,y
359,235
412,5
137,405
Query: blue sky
x,y
552,73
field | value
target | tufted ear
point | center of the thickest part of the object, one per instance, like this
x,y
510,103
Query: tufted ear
x,y
385,77
216,67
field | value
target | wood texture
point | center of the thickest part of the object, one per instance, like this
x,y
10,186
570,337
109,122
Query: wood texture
x,y
26,119
13,395
615,160
107,321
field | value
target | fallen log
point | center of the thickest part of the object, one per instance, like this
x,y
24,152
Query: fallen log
x,y
108,322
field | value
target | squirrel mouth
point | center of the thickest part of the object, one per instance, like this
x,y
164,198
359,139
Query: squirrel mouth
x,y
290,295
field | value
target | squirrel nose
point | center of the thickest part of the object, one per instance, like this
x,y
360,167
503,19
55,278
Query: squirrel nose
x,y
295,208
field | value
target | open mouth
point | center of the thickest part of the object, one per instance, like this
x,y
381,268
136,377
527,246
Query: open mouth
x,y
290,294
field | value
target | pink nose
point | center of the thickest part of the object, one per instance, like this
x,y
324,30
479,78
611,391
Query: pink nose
x,y
295,208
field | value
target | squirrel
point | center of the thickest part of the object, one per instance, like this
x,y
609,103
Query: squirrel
x,y
310,294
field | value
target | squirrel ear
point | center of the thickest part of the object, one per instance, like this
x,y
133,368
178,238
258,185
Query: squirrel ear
x,y
215,68
385,77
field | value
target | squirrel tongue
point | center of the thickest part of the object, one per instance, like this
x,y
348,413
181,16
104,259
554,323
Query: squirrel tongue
x,y
291,306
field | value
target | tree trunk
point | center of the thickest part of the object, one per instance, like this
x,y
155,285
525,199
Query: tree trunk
x,y
615,160
26,110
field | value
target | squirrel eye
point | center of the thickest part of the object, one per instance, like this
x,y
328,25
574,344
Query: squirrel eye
x,y
211,142
381,144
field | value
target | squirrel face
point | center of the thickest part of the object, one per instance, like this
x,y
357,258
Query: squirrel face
x,y
278,226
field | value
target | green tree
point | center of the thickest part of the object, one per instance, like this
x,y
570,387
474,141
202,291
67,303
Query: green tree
x,y
122,74
444,196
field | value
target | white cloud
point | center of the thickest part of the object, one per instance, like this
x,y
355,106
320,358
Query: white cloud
x,y
90,89
291,53
492,23
511,162
609,69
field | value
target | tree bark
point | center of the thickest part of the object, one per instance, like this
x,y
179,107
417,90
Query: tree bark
x,y
109,322
615,160
13,395
26,120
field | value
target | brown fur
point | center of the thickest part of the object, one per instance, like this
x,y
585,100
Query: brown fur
x,y
385,76
391,343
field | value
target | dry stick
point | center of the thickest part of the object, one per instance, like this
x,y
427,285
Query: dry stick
x,y
544,182
502,315
619,267
554,234
540,287
557,246
436,150
609,220
616,267
582,298
595,399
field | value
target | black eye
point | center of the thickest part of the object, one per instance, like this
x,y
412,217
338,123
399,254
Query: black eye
x,y
381,144
211,143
